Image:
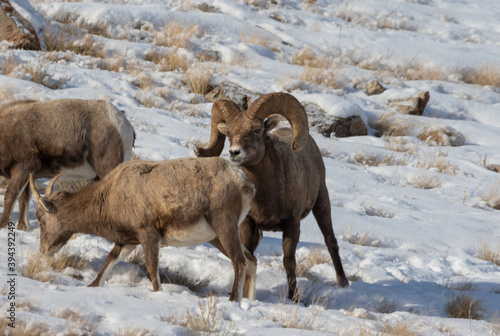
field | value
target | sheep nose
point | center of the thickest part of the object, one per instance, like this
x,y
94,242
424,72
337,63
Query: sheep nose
x,y
234,153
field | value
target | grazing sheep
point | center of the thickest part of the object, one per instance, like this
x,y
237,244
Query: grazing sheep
x,y
82,139
290,180
179,202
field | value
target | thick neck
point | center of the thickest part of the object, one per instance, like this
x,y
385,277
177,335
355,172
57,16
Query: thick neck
x,y
81,211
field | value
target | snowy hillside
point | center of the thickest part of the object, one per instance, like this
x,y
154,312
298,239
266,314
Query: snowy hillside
x,y
413,201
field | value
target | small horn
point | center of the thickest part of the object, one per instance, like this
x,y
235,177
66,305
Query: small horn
x,y
222,110
48,190
34,191
289,107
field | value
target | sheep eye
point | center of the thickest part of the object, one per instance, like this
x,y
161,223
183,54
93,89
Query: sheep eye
x,y
257,131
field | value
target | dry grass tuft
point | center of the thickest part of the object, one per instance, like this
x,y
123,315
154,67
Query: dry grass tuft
x,y
391,125
320,76
399,329
23,328
64,38
495,324
198,78
9,65
485,74
384,306
36,267
41,268
424,182
131,331
77,322
259,38
175,34
355,238
171,60
378,159
488,252
492,198
208,320
464,306
442,136
437,164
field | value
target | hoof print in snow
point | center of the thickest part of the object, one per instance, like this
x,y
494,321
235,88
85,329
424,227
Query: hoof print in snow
x,y
413,105
16,29
374,88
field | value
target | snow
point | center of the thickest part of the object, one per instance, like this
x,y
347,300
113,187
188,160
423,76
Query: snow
x,y
406,250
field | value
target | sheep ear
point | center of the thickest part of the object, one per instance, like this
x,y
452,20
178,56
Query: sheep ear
x,y
222,127
272,122
48,206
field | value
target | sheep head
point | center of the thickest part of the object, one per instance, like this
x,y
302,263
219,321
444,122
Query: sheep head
x,y
247,130
53,235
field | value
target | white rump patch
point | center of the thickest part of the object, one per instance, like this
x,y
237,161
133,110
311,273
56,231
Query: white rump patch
x,y
196,233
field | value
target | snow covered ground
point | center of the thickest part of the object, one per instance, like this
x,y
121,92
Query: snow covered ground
x,y
411,217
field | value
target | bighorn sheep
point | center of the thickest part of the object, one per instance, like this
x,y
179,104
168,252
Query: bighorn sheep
x,y
83,139
290,182
178,202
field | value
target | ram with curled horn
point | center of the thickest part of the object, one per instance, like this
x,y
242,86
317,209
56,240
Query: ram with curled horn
x,y
287,169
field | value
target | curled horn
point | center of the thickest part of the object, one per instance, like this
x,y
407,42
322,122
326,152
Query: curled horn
x,y
222,110
48,190
289,107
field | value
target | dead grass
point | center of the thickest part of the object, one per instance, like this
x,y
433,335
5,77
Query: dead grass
x,y
77,322
37,268
43,72
293,315
170,60
41,268
442,136
259,38
437,164
198,78
378,159
9,65
488,252
23,328
308,58
132,331
400,328
424,182
356,238
68,37
485,74
391,125
492,197
175,34
207,320
495,324
384,306
320,76
464,306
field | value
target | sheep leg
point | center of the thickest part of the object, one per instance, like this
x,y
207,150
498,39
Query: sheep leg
x,y
250,237
225,225
291,235
117,253
17,183
24,201
151,243
322,213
